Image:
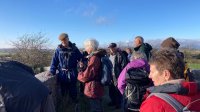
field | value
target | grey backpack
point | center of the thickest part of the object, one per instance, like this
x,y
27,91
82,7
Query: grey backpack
x,y
106,71
173,102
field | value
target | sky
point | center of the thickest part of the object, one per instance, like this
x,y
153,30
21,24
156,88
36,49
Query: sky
x,y
105,20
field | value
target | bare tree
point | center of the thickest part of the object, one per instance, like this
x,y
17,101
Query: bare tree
x,y
32,50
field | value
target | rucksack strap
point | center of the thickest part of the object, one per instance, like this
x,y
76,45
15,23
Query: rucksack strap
x,y
170,100
129,95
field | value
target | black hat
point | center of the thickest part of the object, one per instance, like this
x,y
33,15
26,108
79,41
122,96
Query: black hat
x,y
112,45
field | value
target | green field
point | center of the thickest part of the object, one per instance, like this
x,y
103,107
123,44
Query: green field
x,y
3,53
193,66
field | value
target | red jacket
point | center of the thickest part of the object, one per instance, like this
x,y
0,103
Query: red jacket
x,y
91,78
185,94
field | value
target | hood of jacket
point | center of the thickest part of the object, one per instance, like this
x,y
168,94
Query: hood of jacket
x,y
98,53
170,43
71,46
148,47
139,63
182,88
144,46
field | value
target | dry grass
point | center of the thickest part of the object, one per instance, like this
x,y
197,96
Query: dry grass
x,y
65,104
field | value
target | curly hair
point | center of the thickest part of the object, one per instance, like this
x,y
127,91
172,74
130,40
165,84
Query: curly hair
x,y
169,60
91,43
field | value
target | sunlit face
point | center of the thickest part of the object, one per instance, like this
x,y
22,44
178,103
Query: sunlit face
x,y
112,50
88,49
128,51
157,77
137,42
65,41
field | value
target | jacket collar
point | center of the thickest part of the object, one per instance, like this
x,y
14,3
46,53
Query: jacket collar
x,y
173,86
177,81
71,46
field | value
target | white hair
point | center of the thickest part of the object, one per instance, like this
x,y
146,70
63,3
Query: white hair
x,y
138,55
91,43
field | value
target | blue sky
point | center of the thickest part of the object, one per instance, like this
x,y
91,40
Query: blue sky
x,y
106,20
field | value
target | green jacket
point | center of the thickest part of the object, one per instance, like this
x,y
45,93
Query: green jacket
x,y
144,48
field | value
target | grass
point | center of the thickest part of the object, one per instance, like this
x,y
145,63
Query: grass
x,y
193,66
3,53
66,105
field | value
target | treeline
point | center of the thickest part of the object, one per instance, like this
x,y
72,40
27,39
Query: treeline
x,y
33,50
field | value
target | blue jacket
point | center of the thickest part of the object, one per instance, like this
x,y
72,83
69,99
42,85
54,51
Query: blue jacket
x,y
65,58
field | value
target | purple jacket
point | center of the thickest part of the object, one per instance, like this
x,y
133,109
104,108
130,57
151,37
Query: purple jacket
x,y
138,63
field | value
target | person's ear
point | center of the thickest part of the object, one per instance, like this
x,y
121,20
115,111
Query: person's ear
x,y
167,75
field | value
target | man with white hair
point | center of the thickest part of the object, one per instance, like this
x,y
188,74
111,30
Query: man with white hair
x,y
91,76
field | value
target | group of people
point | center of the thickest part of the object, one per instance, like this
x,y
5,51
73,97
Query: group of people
x,y
163,72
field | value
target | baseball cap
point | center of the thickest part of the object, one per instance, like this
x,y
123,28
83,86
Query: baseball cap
x,y
112,45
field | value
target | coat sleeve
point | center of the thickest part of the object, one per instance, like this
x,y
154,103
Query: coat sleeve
x,y
91,71
122,76
121,80
124,61
54,63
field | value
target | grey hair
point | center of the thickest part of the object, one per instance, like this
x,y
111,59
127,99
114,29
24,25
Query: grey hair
x,y
140,38
91,43
138,55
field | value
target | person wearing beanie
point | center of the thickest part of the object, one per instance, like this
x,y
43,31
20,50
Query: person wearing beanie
x,y
65,60
170,43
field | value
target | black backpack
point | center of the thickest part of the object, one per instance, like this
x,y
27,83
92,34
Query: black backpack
x,y
137,81
148,49
106,71
194,76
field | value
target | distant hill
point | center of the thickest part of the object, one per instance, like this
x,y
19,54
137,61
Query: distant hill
x,y
184,43
7,50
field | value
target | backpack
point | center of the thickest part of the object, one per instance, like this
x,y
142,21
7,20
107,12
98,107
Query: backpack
x,y
137,81
148,50
106,71
194,76
173,102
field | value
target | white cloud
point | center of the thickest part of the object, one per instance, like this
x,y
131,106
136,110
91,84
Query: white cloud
x,y
103,20
86,9
89,10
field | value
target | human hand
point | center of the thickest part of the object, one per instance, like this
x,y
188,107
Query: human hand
x,y
81,64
